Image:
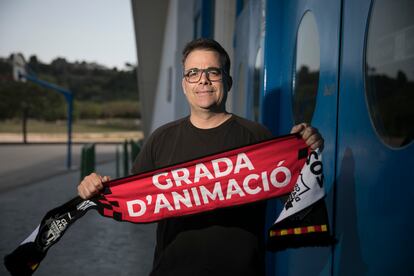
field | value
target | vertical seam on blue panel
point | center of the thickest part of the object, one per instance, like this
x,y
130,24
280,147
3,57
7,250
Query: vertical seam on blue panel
x,y
341,14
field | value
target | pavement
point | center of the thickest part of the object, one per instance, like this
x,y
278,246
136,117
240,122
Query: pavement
x,y
77,137
33,180
23,164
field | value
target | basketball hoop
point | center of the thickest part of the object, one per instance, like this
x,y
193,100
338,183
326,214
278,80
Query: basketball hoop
x,y
20,74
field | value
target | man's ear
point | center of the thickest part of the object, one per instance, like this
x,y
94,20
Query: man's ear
x,y
182,84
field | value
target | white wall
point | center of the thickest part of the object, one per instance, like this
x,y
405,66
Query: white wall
x,y
225,17
163,108
178,31
185,34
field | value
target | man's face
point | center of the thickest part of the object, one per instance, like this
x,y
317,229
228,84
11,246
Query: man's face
x,y
204,94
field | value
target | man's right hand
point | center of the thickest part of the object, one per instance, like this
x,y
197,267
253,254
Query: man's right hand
x,y
91,185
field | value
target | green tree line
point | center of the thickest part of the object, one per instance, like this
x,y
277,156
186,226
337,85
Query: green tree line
x,y
98,92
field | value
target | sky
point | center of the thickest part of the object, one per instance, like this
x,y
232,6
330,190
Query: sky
x,y
98,31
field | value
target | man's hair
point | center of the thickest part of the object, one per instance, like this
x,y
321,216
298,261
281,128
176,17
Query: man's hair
x,y
209,45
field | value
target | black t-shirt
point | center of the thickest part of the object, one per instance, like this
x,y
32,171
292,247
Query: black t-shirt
x,y
222,242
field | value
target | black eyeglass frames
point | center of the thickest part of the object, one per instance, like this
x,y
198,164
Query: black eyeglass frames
x,y
193,75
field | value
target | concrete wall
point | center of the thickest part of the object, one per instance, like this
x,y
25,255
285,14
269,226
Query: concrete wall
x,y
149,24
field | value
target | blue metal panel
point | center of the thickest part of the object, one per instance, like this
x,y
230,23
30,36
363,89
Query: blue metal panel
x,y
207,14
239,6
272,69
375,183
283,18
372,225
271,86
204,18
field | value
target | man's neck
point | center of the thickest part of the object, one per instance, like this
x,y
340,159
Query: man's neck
x,y
209,119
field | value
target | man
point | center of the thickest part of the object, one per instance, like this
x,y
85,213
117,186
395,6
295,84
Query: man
x,y
228,241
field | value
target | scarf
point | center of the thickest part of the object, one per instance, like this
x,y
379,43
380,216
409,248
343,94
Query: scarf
x,y
269,169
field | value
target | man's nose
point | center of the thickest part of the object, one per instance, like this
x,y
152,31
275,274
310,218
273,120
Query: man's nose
x,y
204,78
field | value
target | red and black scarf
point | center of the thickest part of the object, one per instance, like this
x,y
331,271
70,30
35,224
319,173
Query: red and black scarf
x,y
269,169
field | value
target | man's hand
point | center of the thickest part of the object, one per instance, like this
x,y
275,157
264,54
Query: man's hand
x,y
310,134
91,185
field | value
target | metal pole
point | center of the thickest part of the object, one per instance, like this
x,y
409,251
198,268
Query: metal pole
x,y
69,111
25,124
126,159
117,162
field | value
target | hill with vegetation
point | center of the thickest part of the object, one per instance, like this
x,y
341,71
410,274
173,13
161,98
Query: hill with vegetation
x,y
99,92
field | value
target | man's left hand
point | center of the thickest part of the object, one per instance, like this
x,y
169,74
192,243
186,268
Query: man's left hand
x,y
310,134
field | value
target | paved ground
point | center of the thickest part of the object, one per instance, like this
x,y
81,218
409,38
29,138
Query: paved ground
x,y
33,180
23,164
76,137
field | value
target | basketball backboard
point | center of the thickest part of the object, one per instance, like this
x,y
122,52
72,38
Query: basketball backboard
x,y
19,67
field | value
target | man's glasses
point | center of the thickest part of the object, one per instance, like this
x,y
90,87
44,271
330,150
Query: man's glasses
x,y
193,75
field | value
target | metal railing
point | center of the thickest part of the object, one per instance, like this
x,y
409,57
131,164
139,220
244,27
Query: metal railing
x,y
125,155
